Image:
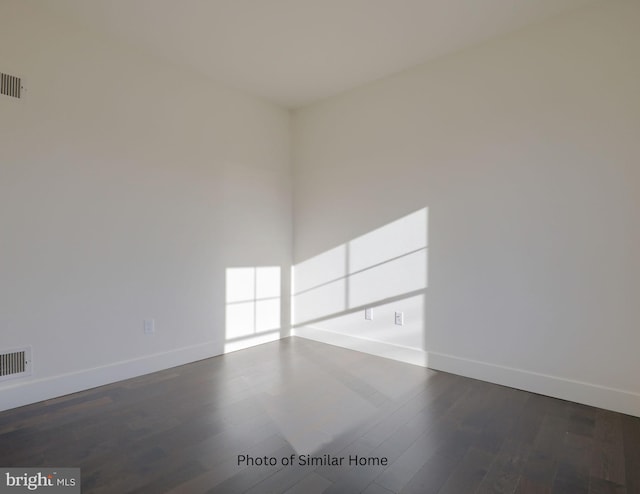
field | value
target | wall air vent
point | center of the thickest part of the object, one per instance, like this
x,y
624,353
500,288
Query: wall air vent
x,y
15,363
10,85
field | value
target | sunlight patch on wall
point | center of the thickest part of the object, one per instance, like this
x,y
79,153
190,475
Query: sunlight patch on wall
x,y
253,306
376,269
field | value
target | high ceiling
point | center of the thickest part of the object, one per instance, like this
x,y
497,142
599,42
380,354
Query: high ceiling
x,y
293,52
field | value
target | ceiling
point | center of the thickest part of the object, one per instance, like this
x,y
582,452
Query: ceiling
x,y
294,52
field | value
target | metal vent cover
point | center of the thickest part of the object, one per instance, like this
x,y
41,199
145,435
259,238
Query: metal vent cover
x,y
15,363
10,85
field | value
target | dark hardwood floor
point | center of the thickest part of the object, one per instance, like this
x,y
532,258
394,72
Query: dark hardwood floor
x,y
182,430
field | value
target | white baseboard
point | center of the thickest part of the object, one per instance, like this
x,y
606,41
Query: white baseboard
x,y
617,400
409,355
17,394
259,339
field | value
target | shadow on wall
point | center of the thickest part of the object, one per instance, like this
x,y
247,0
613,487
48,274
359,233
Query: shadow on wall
x,y
385,270
253,306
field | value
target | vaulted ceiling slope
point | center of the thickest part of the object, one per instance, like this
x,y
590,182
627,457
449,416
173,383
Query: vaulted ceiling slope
x,y
294,52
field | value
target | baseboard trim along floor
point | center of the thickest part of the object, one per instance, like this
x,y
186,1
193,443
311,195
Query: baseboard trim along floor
x,y
617,400
33,390
20,393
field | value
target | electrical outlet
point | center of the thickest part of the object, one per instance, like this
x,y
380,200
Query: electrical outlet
x,y
399,318
149,326
368,314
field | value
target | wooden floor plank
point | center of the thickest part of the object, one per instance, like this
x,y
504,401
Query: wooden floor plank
x,y
631,440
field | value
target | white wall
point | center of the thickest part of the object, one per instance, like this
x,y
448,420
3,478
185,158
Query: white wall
x,y
525,151
127,187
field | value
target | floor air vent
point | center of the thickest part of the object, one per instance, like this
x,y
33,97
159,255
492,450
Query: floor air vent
x,y
15,363
10,85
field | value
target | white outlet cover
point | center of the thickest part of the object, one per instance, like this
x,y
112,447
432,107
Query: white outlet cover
x,y
368,314
399,320
149,326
